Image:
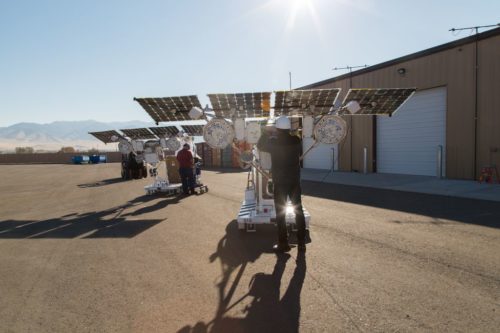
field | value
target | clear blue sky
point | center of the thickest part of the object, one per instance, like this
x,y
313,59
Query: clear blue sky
x,y
77,60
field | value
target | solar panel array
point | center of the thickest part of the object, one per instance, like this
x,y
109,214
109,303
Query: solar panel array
x,y
195,130
105,136
169,108
378,101
247,105
166,131
304,102
138,133
289,102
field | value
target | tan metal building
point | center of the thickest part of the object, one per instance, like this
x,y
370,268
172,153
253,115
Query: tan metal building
x,y
465,73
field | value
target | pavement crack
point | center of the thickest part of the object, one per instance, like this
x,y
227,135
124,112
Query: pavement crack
x,y
412,254
345,309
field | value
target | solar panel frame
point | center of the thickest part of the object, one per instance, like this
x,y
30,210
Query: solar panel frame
x,y
241,105
163,109
164,131
305,102
138,133
105,136
194,130
378,101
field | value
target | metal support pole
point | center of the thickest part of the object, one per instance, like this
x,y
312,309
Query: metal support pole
x,y
333,160
439,170
365,160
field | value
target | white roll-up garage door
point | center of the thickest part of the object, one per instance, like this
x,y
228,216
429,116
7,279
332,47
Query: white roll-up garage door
x,y
407,142
320,157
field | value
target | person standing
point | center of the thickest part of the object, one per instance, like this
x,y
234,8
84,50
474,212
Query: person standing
x,y
185,158
285,150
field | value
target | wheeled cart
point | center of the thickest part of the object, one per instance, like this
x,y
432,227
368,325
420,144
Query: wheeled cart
x,y
162,186
258,205
251,215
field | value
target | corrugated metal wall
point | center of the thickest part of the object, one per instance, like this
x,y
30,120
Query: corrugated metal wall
x,y
453,68
488,143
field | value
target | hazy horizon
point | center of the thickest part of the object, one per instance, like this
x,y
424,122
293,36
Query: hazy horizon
x,y
54,135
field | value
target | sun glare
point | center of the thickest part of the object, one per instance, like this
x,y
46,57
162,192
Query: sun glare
x,y
296,7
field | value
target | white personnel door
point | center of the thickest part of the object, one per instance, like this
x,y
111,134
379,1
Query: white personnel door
x,y
321,156
407,142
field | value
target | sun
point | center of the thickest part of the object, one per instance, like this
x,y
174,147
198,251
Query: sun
x,y
296,7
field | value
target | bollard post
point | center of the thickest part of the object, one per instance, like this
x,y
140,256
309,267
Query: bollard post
x,y
365,160
439,171
333,160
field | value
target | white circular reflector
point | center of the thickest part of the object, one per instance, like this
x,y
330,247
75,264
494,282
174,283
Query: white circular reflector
x,y
330,129
124,147
173,144
252,132
218,133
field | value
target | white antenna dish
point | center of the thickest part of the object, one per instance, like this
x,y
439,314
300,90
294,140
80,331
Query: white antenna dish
x,y
218,133
252,132
173,144
330,129
124,147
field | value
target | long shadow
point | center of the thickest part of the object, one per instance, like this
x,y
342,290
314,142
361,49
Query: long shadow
x,y
224,170
479,212
110,223
266,312
100,183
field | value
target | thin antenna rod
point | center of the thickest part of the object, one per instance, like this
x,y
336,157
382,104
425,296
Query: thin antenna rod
x,y
475,28
290,77
350,68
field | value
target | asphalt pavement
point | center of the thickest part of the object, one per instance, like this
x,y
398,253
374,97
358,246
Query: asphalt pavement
x,y
83,251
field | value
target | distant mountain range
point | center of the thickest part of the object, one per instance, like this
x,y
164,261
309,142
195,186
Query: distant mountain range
x,y
60,133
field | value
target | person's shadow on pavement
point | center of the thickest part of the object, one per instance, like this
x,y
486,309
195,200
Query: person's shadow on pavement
x,y
267,312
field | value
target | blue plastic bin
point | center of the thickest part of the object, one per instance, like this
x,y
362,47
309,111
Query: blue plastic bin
x,y
80,159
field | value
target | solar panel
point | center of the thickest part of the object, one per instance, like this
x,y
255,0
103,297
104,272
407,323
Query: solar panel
x,y
169,108
247,105
106,136
195,130
379,101
138,133
166,131
303,102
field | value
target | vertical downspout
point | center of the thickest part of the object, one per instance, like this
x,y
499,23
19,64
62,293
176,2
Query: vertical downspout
x,y
374,144
352,121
